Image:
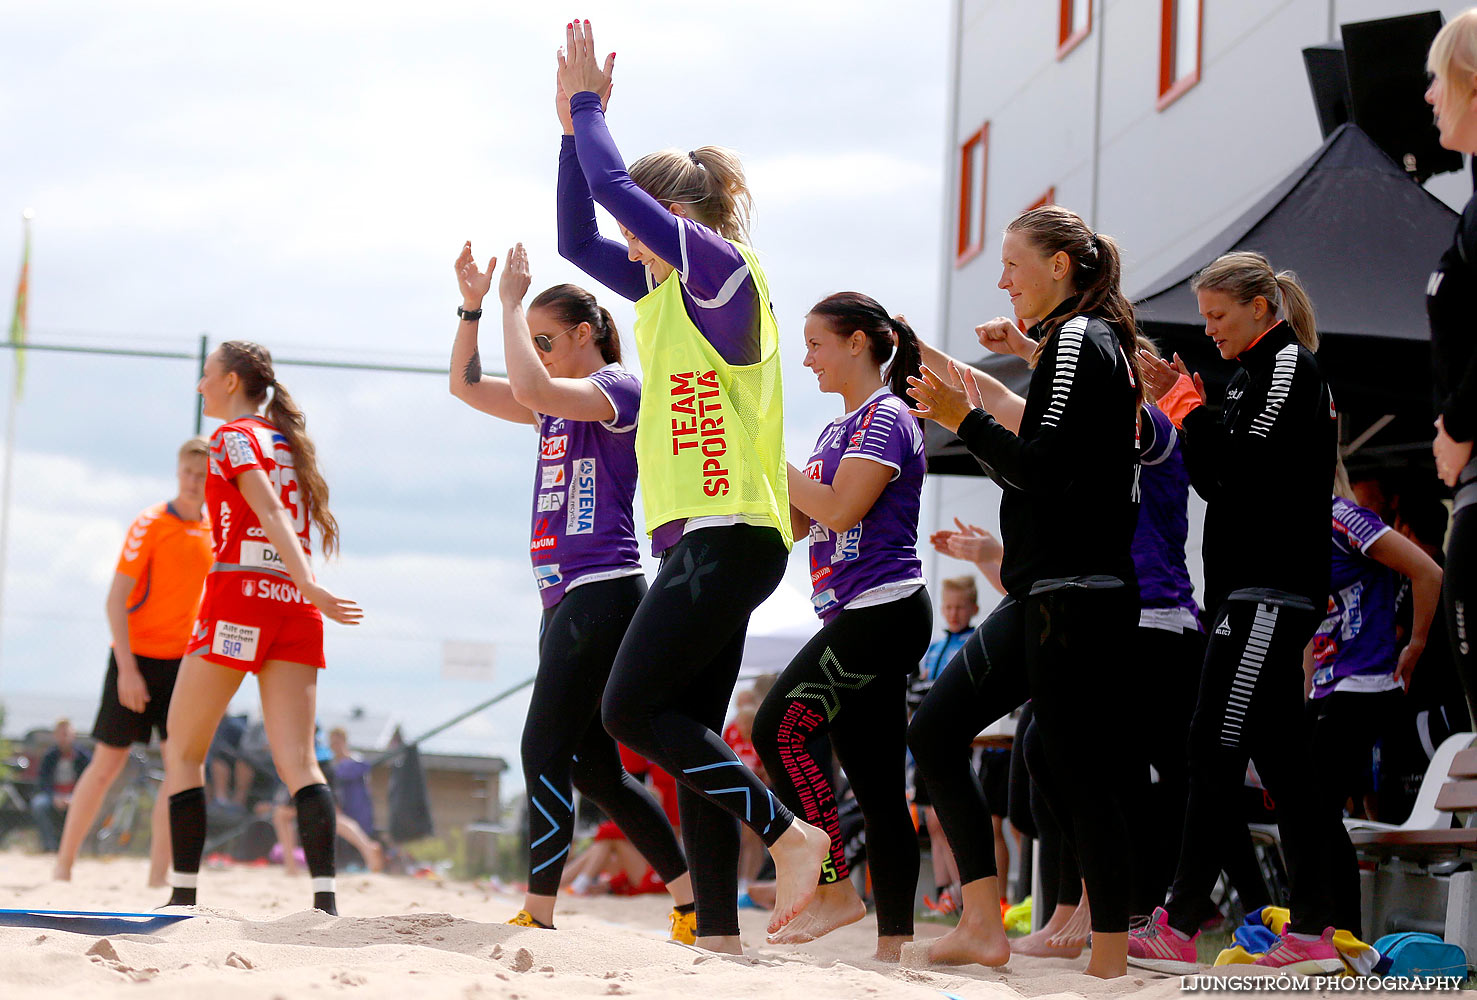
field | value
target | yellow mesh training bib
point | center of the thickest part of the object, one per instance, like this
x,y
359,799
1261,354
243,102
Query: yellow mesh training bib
x,y
710,441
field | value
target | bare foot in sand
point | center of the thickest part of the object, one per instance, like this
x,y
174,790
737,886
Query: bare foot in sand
x,y
1041,943
798,856
720,945
61,873
1077,931
1109,956
890,948
971,943
376,859
980,937
833,905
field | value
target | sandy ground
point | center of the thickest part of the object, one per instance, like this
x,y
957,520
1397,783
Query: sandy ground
x,y
401,938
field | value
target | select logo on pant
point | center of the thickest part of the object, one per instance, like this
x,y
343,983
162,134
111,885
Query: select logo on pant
x,y
581,518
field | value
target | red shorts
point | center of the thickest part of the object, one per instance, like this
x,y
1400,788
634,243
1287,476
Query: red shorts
x,y
242,623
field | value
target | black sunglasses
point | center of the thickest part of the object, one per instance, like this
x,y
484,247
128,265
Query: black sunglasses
x,y
545,343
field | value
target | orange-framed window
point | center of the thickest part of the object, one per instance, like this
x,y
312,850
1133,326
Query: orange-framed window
x,y
974,157
1179,48
1049,198
1075,25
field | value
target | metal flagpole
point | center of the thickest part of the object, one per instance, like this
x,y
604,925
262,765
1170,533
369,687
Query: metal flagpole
x,y
17,333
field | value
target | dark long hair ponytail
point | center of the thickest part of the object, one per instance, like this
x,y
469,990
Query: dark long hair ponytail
x,y
572,304
1097,275
252,363
887,336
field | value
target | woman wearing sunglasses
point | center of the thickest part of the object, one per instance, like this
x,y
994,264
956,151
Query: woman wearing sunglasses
x,y
585,559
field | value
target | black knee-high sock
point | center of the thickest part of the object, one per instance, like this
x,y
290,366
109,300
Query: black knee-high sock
x,y
187,841
315,827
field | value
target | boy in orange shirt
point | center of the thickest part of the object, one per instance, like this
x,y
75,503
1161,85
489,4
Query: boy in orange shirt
x,y
151,609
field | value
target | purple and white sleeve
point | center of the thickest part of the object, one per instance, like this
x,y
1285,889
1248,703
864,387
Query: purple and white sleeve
x,y
1360,525
885,438
624,392
1159,436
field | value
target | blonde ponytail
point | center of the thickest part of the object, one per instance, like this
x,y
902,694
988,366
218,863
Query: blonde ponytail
x,y
709,181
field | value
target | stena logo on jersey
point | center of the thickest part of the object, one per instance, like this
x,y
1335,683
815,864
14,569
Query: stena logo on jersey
x,y
813,470
260,555
547,576
552,475
848,544
581,519
553,447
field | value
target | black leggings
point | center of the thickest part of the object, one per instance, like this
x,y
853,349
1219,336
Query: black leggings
x,y
1251,706
564,743
1061,878
1071,651
1167,682
1459,598
669,690
851,681
1345,727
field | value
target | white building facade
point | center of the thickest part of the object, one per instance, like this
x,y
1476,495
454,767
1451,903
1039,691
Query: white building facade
x,y
1159,121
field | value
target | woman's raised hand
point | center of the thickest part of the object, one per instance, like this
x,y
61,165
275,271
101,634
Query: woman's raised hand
x,y
513,285
939,401
1002,336
578,70
474,283
1160,376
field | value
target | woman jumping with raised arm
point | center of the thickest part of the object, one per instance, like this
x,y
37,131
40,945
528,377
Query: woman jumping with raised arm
x,y
262,612
585,560
711,449
858,500
1064,634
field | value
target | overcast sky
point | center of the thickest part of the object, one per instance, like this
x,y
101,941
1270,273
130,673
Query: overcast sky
x,y
303,175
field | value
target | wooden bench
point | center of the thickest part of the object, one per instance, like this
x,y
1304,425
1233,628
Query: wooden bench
x,y
1412,865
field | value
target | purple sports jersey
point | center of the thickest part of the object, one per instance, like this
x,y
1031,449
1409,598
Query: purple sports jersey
x,y
583,530
1165,592
877,559
1354,648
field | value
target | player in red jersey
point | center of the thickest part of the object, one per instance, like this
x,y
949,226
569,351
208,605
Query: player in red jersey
x,y
262,612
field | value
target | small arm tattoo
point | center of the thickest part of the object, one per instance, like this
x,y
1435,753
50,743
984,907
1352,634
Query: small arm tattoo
x,y
472,374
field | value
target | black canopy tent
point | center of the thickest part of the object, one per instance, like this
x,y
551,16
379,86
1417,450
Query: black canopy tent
x,y
1363,238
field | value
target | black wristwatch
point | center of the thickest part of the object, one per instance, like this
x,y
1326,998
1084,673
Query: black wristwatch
x,y
471,315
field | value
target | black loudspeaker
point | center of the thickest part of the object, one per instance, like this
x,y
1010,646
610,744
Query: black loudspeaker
x,y
1330,82
1386,62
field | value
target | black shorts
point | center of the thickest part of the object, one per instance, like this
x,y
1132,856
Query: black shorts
x,y
117,726
995,777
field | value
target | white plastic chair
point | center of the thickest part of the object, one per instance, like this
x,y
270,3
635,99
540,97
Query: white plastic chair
x,y
1423,815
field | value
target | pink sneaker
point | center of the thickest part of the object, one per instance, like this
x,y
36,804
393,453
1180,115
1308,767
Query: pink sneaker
x,y
1159,947
1304,958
